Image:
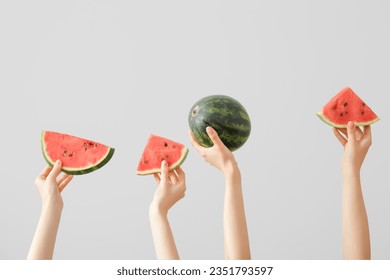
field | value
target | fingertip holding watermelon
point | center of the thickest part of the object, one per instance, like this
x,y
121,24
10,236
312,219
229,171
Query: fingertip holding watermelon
x,y
347,106
77,155
226,115
158,149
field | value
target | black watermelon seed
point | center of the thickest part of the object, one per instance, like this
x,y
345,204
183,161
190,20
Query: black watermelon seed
x,y
363,104
341,114
345,104
334,107
70,155
165,144
362,112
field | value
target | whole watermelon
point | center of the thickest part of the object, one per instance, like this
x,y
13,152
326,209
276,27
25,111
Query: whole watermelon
x,y
223,113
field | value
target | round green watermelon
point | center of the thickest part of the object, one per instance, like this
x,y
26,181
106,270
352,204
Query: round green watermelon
x,y
223,113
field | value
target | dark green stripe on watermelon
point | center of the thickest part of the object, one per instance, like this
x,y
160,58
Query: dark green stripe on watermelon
x,y
226,115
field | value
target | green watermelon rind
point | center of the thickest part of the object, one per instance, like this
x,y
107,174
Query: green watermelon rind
x,y
328,122
78,171
231,121
173,166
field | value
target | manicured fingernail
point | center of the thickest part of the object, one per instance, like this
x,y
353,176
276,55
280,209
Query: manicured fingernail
x,y
58,162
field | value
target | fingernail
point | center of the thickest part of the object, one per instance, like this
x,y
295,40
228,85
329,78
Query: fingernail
x,y
350,124
209,130
58,162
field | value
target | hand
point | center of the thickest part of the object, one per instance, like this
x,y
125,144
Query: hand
x,y
356,144
171,188
218,155
50,187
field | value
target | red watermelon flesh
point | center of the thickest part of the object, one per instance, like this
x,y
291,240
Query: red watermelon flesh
x,y
77,155
158,149
347,106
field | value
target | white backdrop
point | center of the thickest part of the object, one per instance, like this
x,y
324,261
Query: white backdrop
x,y
116,71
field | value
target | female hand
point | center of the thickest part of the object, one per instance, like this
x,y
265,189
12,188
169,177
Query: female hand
x,y
356,143
218,155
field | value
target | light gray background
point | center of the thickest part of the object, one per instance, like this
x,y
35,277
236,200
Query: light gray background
x,y
116,71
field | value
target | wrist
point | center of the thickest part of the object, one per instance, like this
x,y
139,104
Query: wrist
x,y
230,168
350,169
52,206
156,211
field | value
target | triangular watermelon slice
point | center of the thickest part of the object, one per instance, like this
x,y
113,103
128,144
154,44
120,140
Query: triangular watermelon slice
x,y
158,149
78,155
347,106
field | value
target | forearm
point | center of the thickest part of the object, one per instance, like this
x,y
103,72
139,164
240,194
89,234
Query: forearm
x,y
356,237
235,228
163,240
42,246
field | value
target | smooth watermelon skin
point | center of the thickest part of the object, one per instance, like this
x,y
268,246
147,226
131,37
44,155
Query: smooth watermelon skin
x,y
171,167
325,120
80,171
223,113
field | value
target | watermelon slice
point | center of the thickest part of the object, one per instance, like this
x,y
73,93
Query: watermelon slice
x,y
78,156
347,106
158,149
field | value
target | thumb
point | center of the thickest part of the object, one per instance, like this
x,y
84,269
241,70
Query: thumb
x,y
213,136
351,131
164,171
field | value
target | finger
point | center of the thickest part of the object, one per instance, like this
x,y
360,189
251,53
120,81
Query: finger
x,y
339,137
164,171
65,182
214,136
194,143
343,131
367,133
157,178
62,178
358,133
173,177
56,171
180,172
45,172
351,132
